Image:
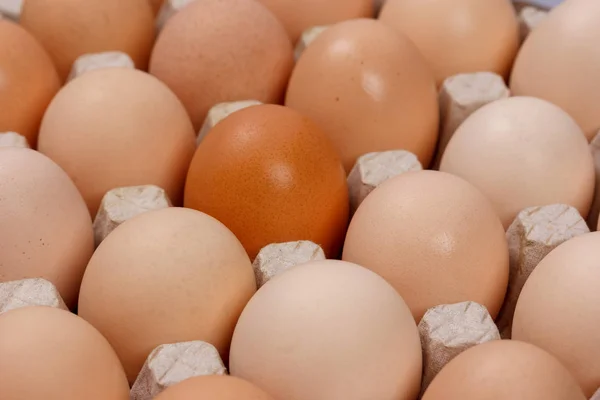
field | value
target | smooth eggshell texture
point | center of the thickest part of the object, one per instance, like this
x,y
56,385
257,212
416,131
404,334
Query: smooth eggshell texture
x,y
523,152
166,276
215,51
71,28
328,330
504,370
118,127
559,308
47,353
297,16
215,387
458,36
45,227
29,81
369,89
564,47
271,176
435,238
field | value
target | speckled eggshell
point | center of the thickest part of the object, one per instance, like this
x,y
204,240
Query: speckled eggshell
x,y
166,276
71,28
118,127
215,51
328,330
458,36
369,89
29,81
435,238
47,353
523,152
271,176
565,47
504,370
559,308
45,227
297,16
215,387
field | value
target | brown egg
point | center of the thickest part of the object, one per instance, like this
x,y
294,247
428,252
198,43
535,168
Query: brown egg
x,y
458,36
328,330
435,238
523,152
71,28
215,51
299,15
118,127
29,81
565,47
45,227
47,353
166,276
504,370
270,175
369,89
215,387
559,308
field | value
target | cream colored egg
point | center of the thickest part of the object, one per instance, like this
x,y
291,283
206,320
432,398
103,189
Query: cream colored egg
x,y
523,152
328,330
559,308
560,62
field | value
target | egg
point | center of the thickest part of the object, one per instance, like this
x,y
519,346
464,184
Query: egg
x,y
504,370
71,28
215,51
271,175
47,353
435,238
45,228
458,36
369,89
166,276
559,308
215,387
29,81
565,47
299,15
523,152
328,330
118,127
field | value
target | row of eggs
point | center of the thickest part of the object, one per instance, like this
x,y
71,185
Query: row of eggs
x,y
271,174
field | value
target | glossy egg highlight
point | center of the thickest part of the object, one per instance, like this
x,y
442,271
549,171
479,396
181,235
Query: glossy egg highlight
x,y
369,89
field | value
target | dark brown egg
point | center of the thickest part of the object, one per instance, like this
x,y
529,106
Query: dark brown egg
x,y
28,81
270,175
